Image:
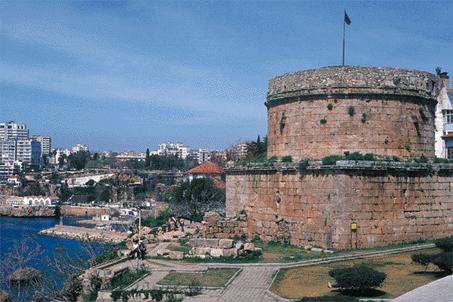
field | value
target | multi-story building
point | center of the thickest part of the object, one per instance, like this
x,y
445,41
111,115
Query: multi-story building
x,y
203,155
444,118
13,130
240,151
79,147
46,143
16,146
179,150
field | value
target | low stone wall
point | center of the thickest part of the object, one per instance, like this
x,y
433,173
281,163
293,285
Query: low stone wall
x,y
28,211
85,234
216,226
319,206
68,210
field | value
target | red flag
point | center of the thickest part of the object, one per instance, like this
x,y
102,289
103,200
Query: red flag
x,y
346,18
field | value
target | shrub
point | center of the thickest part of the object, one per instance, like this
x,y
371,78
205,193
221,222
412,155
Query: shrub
x,y
323,121
396,158
439,160
303,164
422,159
354,156
273,159
422,259
358,277
369,156
330,107
364,117
446,244
351,110
194,288
444,261
287,159
330,160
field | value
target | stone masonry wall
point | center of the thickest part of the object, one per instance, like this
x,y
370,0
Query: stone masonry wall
x,y
318,208
385,111
68,210
384,127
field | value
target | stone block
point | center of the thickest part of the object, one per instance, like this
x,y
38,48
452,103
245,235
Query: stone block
x,y
230,252
201,251
176,255
199,242
250,247
226,243
216,252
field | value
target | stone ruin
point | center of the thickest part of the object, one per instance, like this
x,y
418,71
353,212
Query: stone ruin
x,y
312,114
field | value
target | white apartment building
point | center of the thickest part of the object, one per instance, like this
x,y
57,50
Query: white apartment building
x,y
179,150
46,143
79,147
13,130
444,119
203,155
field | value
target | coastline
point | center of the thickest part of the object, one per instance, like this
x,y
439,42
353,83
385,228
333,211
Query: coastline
x,y
26,211
84,234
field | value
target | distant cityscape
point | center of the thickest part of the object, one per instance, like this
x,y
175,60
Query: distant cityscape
x,y
22,152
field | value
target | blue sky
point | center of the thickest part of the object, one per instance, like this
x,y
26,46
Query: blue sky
x,y
131,74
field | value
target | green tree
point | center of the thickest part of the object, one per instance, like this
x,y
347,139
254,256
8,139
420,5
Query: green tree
x,y
192,199
79,159
147,159
358,278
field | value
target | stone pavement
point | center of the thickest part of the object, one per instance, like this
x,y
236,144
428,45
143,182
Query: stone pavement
x,y
253,282
250,285
437,291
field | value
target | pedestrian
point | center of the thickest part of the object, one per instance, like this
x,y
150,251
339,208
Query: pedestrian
x,y
181,224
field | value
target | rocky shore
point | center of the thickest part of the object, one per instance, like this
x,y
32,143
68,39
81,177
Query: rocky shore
x,y
28,211
85,234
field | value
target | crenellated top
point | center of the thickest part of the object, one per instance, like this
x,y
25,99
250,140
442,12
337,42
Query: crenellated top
x,y
353,80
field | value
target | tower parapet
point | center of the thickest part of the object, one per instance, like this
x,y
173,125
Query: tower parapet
x,y
327,111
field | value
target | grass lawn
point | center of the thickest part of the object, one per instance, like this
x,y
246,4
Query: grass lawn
x,y
124,280
213,277
402,276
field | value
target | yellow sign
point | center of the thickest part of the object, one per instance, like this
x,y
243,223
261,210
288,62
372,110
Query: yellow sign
x,y
354,226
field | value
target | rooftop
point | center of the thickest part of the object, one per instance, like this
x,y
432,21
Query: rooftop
x,y
206,168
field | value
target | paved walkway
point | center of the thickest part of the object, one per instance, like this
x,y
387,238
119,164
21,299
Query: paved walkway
x,y
250,285
253,282
437,291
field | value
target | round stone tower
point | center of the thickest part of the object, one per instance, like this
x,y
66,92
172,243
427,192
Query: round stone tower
x,y
327,111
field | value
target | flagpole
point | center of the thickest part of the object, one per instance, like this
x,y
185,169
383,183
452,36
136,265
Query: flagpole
x,y
344,30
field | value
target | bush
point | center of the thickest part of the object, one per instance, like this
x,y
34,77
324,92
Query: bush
x,y
323,121
369,156
444,261
423,159
422,259
351,110
287,159
194,288
438,160
331,159
364,117
303,164
330,107
153,222
446,244
353,156
337,298
358,277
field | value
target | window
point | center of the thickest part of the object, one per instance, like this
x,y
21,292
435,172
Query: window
x,y
449,116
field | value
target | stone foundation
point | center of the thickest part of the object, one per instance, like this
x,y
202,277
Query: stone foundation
x,y
390,203
67,210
